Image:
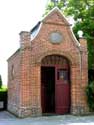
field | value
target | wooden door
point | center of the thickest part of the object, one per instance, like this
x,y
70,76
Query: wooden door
x,y
62,90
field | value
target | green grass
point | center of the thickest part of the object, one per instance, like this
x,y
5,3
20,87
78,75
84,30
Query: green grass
x,y
3,89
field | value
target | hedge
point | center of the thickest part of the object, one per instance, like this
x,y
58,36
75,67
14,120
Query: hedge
x,y
3,98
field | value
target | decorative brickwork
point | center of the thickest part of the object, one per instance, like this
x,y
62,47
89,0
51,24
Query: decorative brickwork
x,y
24,88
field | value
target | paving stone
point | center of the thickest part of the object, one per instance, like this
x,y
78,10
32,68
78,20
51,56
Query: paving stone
x,y
8,119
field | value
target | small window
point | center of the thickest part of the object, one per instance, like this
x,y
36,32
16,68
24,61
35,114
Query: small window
x,y
62,74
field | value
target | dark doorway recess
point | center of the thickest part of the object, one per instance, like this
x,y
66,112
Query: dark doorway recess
x,y
48,89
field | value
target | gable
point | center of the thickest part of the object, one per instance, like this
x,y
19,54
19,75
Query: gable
x,y
56,17
55,22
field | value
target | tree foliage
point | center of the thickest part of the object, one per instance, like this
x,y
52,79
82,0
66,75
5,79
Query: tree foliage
x,y
90,95
83,13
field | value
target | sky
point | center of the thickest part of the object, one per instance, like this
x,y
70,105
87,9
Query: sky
x,y
16,16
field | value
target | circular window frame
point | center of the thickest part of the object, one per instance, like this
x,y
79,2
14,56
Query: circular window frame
x,y
57,41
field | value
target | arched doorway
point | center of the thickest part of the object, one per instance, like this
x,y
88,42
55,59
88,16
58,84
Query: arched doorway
x,y
55,85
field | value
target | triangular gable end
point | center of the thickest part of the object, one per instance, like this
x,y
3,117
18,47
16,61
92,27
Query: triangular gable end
x,y
55,16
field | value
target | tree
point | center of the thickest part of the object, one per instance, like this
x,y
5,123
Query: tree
x,y
83,13
0,82
90,95
52,3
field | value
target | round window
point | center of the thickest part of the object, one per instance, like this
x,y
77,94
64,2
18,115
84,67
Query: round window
x,y
56,37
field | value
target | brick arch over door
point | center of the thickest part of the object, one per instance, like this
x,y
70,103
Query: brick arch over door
x,y
52,60
73,61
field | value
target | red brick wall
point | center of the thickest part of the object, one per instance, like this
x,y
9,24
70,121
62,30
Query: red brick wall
x,y
31,55
13,83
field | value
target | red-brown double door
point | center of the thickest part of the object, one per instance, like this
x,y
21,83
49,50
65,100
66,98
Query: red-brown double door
x,y
55,89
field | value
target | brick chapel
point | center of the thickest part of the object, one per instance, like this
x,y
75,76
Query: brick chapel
x,y
48,74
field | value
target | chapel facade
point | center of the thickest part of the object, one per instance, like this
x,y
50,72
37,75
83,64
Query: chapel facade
x,y
49,72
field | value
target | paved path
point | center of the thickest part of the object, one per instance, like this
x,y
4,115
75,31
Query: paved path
x,y
8,119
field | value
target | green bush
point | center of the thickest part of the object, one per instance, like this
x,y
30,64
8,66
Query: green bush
x,y
90,95
3,97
